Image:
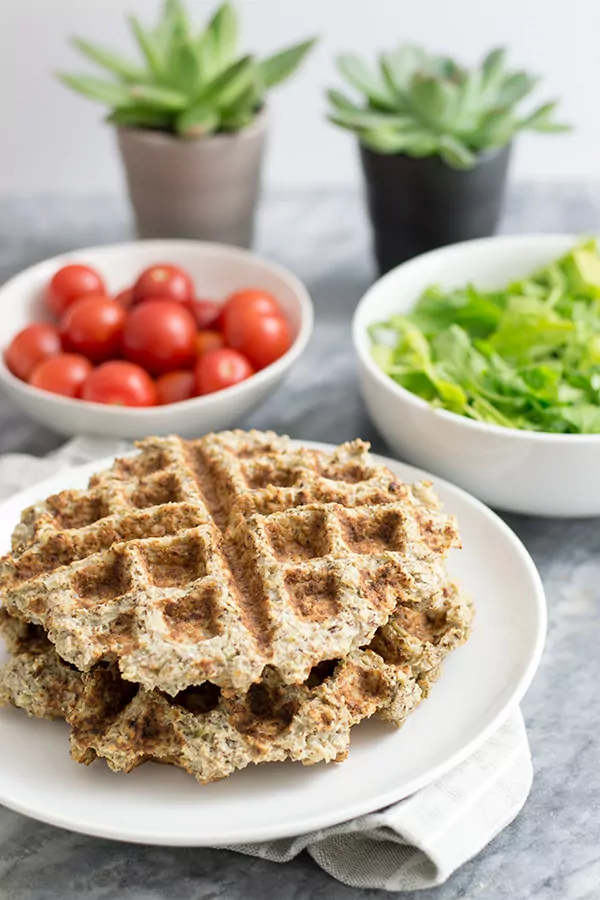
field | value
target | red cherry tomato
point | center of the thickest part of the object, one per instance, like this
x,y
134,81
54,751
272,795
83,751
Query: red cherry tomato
x,y
62,374
208,340
260,302
29,347
120,383
160,335
206,313
263,339
93,326
71,283
220,369
125,298
176,386
164,282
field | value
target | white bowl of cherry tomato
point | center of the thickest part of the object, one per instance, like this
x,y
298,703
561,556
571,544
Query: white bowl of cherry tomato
x,y
150,337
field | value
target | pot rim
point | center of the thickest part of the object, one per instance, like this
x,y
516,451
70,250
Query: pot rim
x,y
155,136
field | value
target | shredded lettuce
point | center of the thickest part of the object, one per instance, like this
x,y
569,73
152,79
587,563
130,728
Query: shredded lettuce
x,y
526,357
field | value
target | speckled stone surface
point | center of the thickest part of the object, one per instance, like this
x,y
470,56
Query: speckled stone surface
x,y
552,850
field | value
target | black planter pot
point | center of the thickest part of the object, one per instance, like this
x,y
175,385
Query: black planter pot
x,y
419,204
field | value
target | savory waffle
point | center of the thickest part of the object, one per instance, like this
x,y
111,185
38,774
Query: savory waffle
x,y
210,735
211,560
420,640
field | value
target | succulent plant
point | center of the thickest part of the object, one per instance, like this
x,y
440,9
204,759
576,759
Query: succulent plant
x,y
191,84
421,105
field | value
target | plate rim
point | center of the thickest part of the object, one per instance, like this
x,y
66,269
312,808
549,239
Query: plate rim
x,y
335,816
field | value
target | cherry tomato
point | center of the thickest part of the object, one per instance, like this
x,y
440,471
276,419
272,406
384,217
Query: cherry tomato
x,y
261,303
29,347
219,369
164,282
160,335
71,283
62,374
125,298
93,326
263,339
208,340
120,383
176,386
206,312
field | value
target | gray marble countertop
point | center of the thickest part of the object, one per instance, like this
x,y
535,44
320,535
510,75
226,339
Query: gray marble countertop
x,y
552,850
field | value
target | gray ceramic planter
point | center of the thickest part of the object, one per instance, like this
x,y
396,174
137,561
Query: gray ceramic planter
x,y
205,188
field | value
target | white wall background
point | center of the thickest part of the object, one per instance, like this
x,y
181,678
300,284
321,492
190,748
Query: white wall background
x,y
52,140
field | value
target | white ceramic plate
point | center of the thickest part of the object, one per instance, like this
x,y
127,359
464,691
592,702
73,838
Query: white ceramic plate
x,y
482,682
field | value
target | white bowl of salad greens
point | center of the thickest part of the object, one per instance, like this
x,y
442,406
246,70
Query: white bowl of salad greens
x,y
481,362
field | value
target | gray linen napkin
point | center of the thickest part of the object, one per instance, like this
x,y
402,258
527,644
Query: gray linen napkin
x,y
416,843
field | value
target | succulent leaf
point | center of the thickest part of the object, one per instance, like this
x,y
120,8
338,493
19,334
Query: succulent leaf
x,y
455,153
197,121
115,63
444,67
157,97
223,91
382,140
237,121
515,88
150,45
185,68
223,28
420,143
493,68
539,119
108,92
367,83
207,56
396,84
400,65
496,129
176,18
243,112
415,142
340,101
436,102
161,36
275,69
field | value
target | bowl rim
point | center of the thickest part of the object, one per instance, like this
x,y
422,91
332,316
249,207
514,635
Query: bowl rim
x,y
271,372
361,347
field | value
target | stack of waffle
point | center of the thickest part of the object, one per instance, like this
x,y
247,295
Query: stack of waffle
x,y
228,600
